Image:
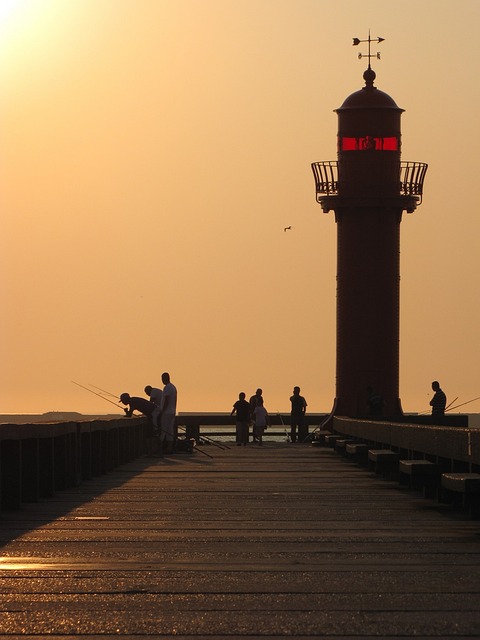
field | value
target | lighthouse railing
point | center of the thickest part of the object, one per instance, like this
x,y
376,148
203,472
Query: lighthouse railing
x,y
326,178
412,175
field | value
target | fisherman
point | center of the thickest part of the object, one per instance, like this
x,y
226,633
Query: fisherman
x,y
439,400
255,399
168,410
155,396
254,402
154,443
146,407
297,416
242,409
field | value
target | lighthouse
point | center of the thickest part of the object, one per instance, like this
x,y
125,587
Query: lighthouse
x,y
368,188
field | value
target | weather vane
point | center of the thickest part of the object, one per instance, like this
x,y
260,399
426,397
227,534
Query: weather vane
x,y
369,55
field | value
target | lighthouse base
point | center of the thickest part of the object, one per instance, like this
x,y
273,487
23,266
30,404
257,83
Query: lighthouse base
x,y
340,409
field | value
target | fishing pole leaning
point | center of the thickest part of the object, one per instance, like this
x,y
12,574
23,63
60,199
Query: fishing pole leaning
x,y
287,435
450,404
464,403
95,393
310,436
103,390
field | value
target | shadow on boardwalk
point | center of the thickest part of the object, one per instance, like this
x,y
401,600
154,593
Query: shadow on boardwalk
x,y
279,541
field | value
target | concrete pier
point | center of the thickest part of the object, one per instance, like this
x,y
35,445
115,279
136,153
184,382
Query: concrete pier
x,y
267,542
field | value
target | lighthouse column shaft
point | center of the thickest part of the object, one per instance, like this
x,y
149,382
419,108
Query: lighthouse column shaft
x,y
368,291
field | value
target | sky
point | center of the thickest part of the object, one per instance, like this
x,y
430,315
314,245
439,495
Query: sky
x,y
152,153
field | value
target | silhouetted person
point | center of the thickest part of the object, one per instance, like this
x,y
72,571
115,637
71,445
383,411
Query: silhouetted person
x,y
375,403
154,442
260,421
297,416
439,400
254,401
142,405
168,410
242,410
155,397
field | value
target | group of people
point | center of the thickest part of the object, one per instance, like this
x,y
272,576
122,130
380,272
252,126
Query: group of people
x,y
253,413
160,408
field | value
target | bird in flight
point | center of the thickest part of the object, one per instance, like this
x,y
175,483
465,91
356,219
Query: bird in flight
x,y
288,228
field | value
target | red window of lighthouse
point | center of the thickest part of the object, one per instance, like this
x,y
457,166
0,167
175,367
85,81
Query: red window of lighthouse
x,y
368,143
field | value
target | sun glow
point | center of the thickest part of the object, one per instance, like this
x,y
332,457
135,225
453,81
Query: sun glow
x,y
34,21
7,7
16,16
11,11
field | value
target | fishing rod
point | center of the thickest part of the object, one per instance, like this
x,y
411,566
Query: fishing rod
x,y
206,439
193,446
284,427
464,403
309,437
97,394
450,404
447,408
204,452
113,395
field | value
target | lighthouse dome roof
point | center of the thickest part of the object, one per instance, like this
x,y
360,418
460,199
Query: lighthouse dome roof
x,y
369,97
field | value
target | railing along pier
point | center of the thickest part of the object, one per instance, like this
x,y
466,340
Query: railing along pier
x,y
38,459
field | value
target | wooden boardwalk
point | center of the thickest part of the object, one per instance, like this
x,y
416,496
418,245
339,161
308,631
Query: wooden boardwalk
x,y
265,542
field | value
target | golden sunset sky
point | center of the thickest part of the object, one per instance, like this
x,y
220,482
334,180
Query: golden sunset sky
x,y
151,154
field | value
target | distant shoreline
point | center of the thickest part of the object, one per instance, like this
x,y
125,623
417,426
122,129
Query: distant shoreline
x,y
75,416
55,416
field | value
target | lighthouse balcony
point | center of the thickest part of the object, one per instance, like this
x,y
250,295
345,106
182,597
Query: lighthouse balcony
x,y
411,178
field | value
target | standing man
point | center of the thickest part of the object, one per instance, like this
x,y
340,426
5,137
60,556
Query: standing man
x,y
297,416
168,410
254,402
439,400
242,409
156,397
155,394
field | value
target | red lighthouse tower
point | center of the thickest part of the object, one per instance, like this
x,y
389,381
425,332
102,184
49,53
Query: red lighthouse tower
x,y
368,188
